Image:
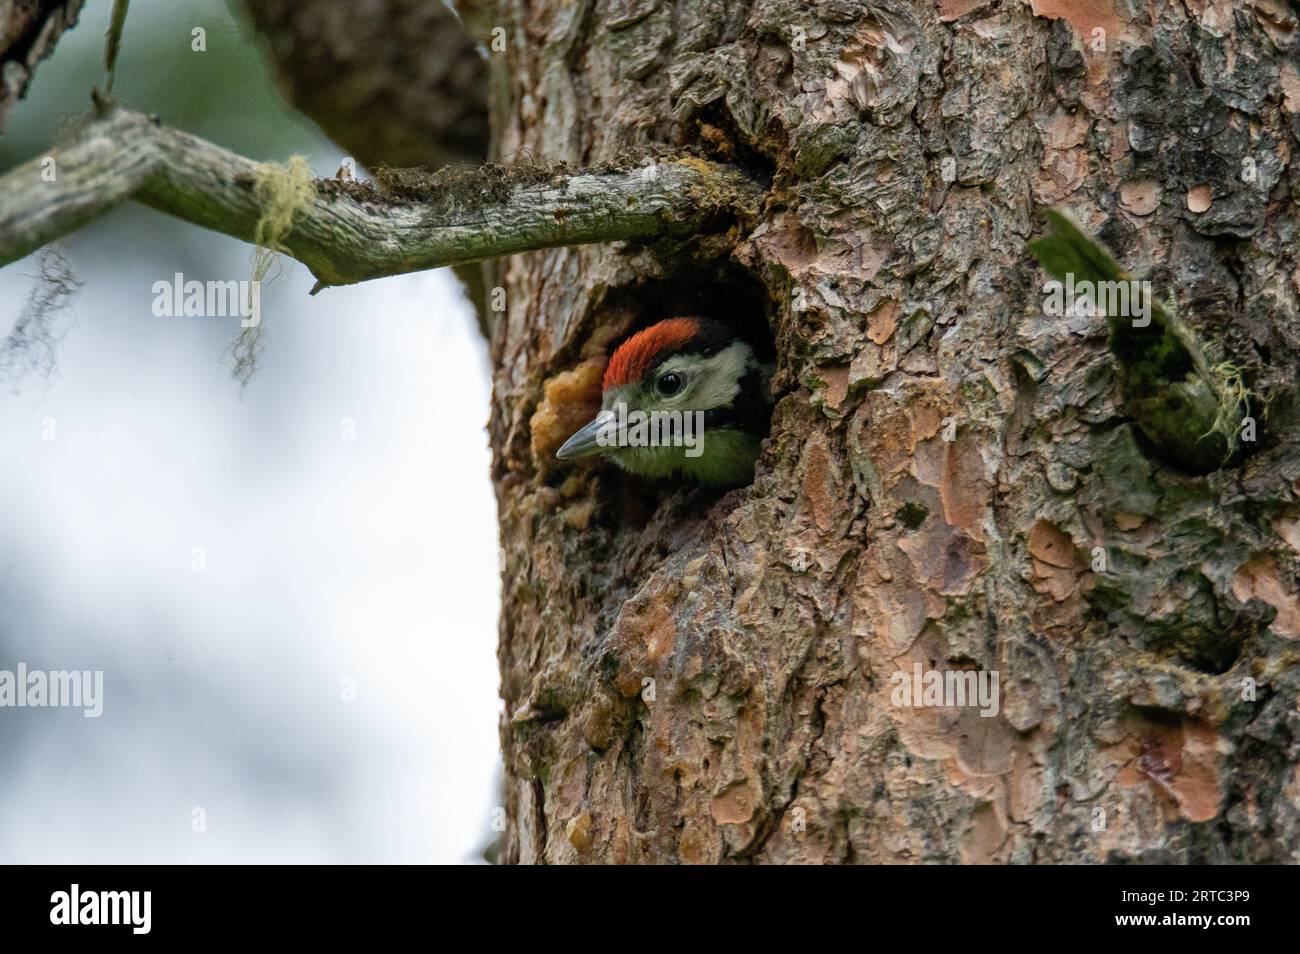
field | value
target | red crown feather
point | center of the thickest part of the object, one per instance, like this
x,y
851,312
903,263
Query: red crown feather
x,y
636,355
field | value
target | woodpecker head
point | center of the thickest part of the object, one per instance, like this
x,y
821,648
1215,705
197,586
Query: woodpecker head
x,y
684,396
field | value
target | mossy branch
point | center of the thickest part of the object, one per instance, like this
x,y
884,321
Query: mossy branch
x,y
350,232
1190,410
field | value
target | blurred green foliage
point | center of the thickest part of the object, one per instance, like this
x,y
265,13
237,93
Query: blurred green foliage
x,y
223,93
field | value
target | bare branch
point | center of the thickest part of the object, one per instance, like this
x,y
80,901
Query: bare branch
x,y
350,233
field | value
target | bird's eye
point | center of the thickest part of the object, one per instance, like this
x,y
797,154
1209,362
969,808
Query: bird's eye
x,y
669,384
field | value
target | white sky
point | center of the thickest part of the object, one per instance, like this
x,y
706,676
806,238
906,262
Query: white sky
x,y
373,560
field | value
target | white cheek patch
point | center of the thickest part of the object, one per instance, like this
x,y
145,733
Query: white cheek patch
x,y
710,382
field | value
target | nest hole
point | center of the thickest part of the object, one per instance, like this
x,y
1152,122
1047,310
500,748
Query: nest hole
x,y
725,293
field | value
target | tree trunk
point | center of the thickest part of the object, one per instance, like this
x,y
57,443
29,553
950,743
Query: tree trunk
x,y
953,480
29,29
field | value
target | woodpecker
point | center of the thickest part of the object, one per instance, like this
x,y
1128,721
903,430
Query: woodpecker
x,y
684,396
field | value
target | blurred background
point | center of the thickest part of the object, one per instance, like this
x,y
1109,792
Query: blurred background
x,y
291,588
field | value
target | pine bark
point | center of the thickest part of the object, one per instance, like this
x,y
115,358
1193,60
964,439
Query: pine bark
x,y
29,30
952,478
396,82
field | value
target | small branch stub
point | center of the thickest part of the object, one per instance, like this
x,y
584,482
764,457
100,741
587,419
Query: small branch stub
x,y
1190,410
